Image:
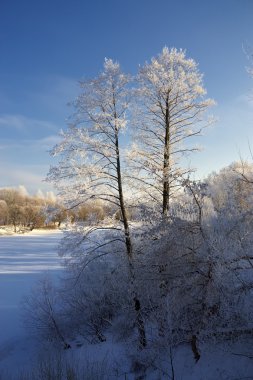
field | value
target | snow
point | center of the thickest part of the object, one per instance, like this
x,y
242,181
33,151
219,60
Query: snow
x,y
20,255
23,260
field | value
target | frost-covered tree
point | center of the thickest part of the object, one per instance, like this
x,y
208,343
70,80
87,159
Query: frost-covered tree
x,y
200,268
231,189
91,159
90,167
170,110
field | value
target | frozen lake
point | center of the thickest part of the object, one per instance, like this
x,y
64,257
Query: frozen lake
x,y
23,260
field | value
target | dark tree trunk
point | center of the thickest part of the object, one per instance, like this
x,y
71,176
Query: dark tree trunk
x,y
128,242
195,348
137,304
66,345
166,160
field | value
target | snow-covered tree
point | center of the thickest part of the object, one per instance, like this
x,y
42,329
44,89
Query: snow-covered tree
x,y
22,191
40,194
231,189
50,197
91,159
171,109
90,167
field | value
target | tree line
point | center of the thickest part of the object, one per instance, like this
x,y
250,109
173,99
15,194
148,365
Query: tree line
x,y
25,212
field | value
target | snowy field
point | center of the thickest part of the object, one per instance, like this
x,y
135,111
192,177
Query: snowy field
x,y
23,260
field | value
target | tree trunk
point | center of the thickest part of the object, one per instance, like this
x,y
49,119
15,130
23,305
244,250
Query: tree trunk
x,y
166,160
137,304
129,248
194,348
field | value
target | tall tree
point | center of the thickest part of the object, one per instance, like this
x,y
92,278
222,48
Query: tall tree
x,y
170,109
91,164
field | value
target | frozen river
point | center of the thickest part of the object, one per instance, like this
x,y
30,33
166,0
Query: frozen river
x,y
23,260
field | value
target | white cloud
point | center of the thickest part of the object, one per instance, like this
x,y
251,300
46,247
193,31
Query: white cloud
x,y
27,140
32,177
23,123
27,162
42,144
48,142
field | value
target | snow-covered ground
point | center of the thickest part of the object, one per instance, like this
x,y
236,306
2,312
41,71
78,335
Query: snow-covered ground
x,y
23,260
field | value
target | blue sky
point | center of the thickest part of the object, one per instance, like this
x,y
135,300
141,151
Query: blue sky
x,y
47,46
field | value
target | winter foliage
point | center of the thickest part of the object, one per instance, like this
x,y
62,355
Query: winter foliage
x,y
171,106
89,148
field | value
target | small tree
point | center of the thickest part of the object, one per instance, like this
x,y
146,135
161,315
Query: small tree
x,y
170,110
3,212
41,312
92,211
16,216
33,217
